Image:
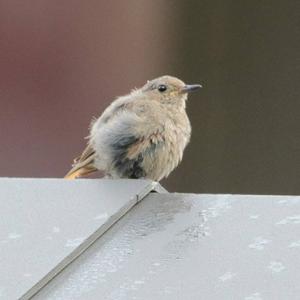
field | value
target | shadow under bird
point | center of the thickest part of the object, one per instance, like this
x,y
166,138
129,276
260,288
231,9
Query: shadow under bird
x,y
140,135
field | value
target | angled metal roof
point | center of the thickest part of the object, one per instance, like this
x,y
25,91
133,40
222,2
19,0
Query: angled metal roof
x,y
169,246
177,246
46,223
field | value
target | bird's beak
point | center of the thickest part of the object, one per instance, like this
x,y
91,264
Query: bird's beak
x,y
190,88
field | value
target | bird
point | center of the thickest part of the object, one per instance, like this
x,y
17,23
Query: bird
x,y
141,135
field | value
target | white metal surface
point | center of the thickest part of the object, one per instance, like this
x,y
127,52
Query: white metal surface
x,y
46,223
192,247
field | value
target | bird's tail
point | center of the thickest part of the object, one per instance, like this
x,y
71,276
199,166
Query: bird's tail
x,y
82,168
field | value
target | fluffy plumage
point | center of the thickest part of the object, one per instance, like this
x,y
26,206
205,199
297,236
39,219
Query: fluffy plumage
x,y
140,135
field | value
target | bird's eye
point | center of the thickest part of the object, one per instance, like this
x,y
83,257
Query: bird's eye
x,y
162,88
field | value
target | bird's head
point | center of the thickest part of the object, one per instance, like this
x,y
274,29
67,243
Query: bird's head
x,y
169,90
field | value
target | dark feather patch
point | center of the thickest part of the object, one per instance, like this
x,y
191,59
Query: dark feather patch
x,y
130,168
127,168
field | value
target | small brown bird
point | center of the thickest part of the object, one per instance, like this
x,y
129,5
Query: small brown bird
x,y
140,135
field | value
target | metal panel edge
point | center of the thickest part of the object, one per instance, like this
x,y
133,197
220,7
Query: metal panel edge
x,y
151,187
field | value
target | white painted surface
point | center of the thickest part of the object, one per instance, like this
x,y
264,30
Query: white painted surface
x,y
178,246
45,223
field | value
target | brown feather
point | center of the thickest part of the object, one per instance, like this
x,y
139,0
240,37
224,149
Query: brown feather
x,y
87,152
142,144
83,165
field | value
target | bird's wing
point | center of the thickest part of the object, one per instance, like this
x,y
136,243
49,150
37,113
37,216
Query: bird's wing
x,y
129,146
83,164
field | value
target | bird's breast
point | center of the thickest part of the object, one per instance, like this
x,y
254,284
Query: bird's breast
x,y
176,135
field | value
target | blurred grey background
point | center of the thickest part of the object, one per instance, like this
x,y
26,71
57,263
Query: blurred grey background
x,y
62,61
